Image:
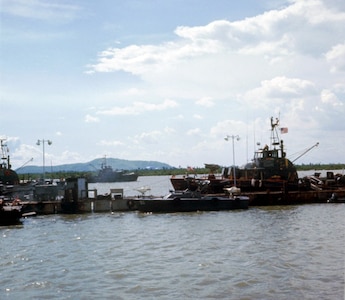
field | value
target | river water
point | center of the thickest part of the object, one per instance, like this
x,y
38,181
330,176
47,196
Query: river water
x,y
283,252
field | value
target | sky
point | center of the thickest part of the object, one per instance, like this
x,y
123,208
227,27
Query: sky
x,y
168,80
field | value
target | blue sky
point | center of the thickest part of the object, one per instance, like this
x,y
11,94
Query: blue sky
x,y
168,80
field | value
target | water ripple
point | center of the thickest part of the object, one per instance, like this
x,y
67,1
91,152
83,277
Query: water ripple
x,y
263,253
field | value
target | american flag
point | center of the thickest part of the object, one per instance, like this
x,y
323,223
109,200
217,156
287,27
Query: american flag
x,y
284,130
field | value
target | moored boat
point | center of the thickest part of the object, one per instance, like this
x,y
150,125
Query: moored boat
x,y
269,169
10,213
107,174
270,179
10,210
7,175
190,201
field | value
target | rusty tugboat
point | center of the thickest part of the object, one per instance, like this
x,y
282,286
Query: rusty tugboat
x,y
270,179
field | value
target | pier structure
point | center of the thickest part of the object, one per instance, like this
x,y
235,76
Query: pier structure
x,y
92,204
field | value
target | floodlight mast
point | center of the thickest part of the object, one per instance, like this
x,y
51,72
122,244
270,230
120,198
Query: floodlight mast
x,y
233,137
43,141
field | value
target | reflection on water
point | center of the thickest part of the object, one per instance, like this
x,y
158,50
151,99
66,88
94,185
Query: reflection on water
x,y
290,252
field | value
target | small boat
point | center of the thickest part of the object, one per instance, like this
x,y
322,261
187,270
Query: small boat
x,y
10,213
190,201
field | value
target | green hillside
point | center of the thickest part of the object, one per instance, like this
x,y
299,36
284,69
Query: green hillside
x,y
96,164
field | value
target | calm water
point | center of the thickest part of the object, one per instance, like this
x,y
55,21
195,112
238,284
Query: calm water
x,y
159,186
294,252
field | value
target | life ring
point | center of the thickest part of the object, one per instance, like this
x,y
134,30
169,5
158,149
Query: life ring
x,y
130,204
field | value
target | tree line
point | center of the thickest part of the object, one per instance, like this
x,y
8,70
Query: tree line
x,y
165,171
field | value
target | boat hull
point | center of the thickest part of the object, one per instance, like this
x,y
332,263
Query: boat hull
x,y
162,205
269,198
10,215
114,177
217,185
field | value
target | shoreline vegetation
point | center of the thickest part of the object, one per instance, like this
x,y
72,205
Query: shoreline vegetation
x,y
169,171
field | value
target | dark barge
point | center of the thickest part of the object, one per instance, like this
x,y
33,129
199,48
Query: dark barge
x,y
188,201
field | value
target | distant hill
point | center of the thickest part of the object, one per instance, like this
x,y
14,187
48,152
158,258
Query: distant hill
x,y
95,165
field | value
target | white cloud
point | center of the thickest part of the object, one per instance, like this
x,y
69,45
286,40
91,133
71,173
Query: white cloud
x,y
68,156
169,130
205,101
274,62
40,9
330,99
110,143
138,108
91,119
152,137
133,92
26,154
283,87
195,131
227,127
278,90
336,57
307,27
139,59
197,116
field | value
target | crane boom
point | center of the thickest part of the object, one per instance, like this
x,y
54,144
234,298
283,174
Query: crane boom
x,y
317,144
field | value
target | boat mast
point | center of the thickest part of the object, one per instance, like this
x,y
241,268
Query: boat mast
x,y
274,133
5,159
104,163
